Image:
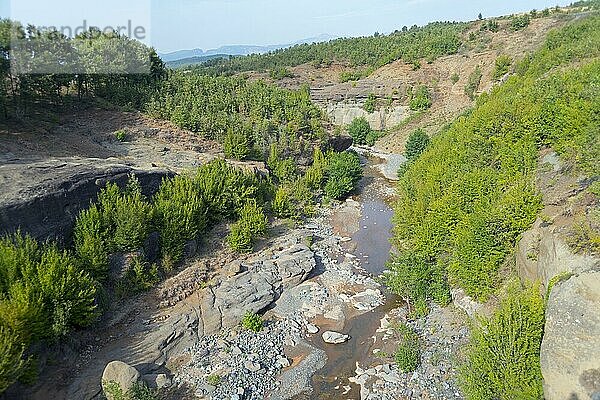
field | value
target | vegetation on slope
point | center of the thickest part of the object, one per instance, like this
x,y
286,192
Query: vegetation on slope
x,y
466,199
409,44
464,202
247,116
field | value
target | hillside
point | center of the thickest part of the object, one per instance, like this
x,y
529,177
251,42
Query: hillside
x,y
404,216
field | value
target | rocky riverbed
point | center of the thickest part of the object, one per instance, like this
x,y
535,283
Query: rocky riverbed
x,y
329,331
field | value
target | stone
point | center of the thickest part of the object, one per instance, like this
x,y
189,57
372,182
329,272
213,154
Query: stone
x,y
152,247
252,366
157,381
570,352
295,264
120,373
312,329
283,362
335,337
234,268
466,303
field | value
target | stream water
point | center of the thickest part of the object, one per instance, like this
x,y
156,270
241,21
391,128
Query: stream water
x,y
371,243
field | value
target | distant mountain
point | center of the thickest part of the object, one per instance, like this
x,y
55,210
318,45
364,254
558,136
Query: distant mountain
x,y
236,50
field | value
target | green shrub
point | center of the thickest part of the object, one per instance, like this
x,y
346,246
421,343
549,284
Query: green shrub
x,y
503,64
519,22
91,242
473,83
180,214
416,144
359,129
213,379
284,169
252,223
132,218
121,135
139,278
408,353
280,73
252,322
343,174
454,78
236,145
503,357
420,99
463,203
12,364
370,103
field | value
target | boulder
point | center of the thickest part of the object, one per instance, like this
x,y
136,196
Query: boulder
x,y
121,374
570,353
312,329
335,337
157,381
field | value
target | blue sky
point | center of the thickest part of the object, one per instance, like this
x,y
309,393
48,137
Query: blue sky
x,y
207,24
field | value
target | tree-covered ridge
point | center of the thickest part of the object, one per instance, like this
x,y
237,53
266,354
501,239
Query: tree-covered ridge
x,y
50,69
409,44
248,116
464,202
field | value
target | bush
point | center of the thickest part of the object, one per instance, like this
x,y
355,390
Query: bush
x,y
370,103
473,83
236,145
454,78
132,218
251,223
359,129
408,354
280,73
91,242
180,214
519,22
121,135
420,99
252,322
139,278
343,174
416,144
503,360
503,64
12,364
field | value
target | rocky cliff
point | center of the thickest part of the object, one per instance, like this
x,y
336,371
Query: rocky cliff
x,y
570,353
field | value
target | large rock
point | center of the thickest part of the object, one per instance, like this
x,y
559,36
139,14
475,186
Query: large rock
x,y
570,354
121,374
253,286
345,113
44,198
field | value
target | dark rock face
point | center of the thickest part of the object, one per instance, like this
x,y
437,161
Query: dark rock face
x,y
44,198
340,143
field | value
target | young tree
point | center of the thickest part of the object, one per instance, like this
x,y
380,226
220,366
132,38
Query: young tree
x,y
416,144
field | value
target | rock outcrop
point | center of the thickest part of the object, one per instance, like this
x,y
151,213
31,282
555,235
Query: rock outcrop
x,y
344,114
44,198
257,286
570,352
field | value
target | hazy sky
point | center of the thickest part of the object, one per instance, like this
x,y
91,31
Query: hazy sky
x,y
207,24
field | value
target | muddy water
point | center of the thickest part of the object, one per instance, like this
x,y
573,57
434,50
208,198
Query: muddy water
x,y
371,243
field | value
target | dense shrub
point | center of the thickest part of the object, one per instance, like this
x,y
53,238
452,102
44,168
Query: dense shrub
x,y
416,144
502,67
519,22
373,137
408,354
280,73
359,129
464,202
43,294
343,174
181,214
236,145
251,224
420,99
454,78
503,359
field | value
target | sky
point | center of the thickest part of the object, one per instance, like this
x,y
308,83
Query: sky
x,y
207,24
